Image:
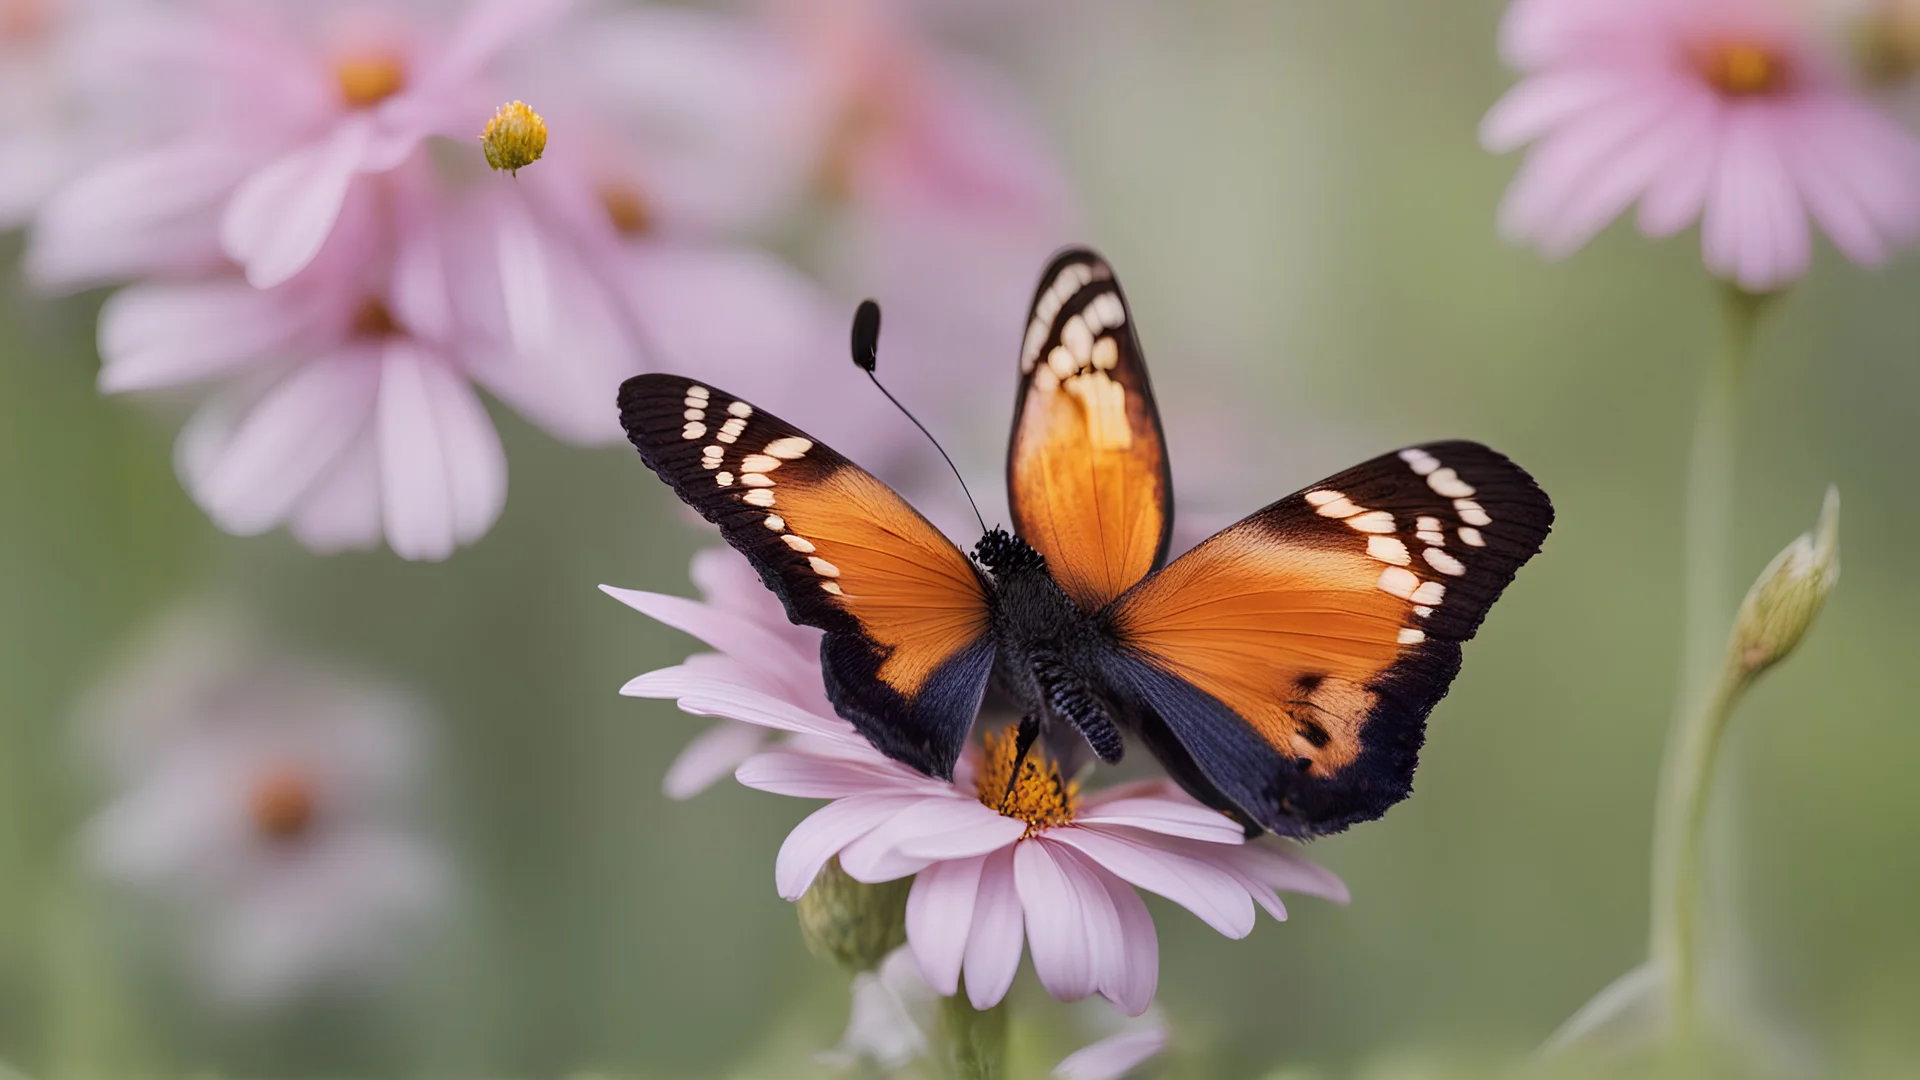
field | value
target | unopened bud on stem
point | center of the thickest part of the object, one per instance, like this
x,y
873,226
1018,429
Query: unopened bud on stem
x,y
1789,593
852,923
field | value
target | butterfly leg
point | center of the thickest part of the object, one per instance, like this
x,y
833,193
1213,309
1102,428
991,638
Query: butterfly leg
x,y
1023,740
1069,698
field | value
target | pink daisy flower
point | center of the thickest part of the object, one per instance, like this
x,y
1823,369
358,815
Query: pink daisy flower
x,y
1721,111
1003,863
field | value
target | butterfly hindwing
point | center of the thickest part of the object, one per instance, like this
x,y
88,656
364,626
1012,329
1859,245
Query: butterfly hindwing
x,y
907,651
1295,655
1087,476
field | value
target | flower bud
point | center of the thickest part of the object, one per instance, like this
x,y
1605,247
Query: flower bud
x,y
852,923
1782,603
515,137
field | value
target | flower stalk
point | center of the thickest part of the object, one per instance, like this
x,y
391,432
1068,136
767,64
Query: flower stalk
x,y
973,1041
1704,701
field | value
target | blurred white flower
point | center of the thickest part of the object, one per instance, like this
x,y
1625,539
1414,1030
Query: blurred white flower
x,y
262,799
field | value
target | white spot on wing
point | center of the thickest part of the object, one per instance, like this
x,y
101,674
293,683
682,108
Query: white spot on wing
x,y
1077,337
1389,550
1429,592
833,587
1422,610
1447,484
1398,582
759,463
1322,498
822,566
1444,562
694,414
775,522
1427,524
1410,636
1471,537
791,448
1420,461
1339,508
693,430
725,479
1373,521
697,391
756,480
1106,354
798,543
740,409
1471,512
760,497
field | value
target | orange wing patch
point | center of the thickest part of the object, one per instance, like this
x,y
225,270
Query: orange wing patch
x,y
912,591
1087,473
1290,640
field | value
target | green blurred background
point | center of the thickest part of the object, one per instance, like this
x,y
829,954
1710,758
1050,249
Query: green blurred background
x,y
1295,199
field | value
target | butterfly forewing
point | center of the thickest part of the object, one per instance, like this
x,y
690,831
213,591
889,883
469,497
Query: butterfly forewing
x,y
1087,477
907,651
1295,655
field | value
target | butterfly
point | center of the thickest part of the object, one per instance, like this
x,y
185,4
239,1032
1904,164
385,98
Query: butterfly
x,y
1281,671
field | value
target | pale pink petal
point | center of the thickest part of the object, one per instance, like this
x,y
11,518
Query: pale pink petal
x,y
949,822
443,471
1058,919
1199,886
1615,183
1171,816
150,213
939,916
342,511
711,755
281,215
1675,195
994,943
248,473
824,832
1105,936
808,776
488,27
1754,231
1543,102
1560,166
1137,972
706,696
1278,866
723,630
155,335
1113,1057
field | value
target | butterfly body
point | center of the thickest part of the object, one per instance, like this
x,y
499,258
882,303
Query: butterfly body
x,y
1282,671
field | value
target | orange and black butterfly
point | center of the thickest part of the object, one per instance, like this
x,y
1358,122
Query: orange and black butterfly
x,y
1281,671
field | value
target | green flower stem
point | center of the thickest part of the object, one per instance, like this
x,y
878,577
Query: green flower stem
x,y
974,1042
1707,688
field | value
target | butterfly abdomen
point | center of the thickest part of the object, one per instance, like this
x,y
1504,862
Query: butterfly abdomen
x,y
1045,645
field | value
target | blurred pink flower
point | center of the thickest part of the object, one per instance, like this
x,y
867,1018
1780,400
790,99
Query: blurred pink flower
x,y
1042,867
758,647
1723,111
263,799
344,411
1114,1056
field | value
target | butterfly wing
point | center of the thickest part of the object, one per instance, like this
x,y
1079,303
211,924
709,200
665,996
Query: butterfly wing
x,y
907,652
1294,656
1087,477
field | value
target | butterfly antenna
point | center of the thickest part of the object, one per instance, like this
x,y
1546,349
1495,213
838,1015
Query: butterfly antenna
x,y
866,356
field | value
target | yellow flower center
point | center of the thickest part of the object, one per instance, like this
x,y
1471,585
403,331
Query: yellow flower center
x,y
1038,796
626,208
369,78
283,803
515,137
1744,68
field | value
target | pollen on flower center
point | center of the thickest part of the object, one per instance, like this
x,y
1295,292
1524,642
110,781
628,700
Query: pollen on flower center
x,y
283,803
367,79
1744,68
1039,796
